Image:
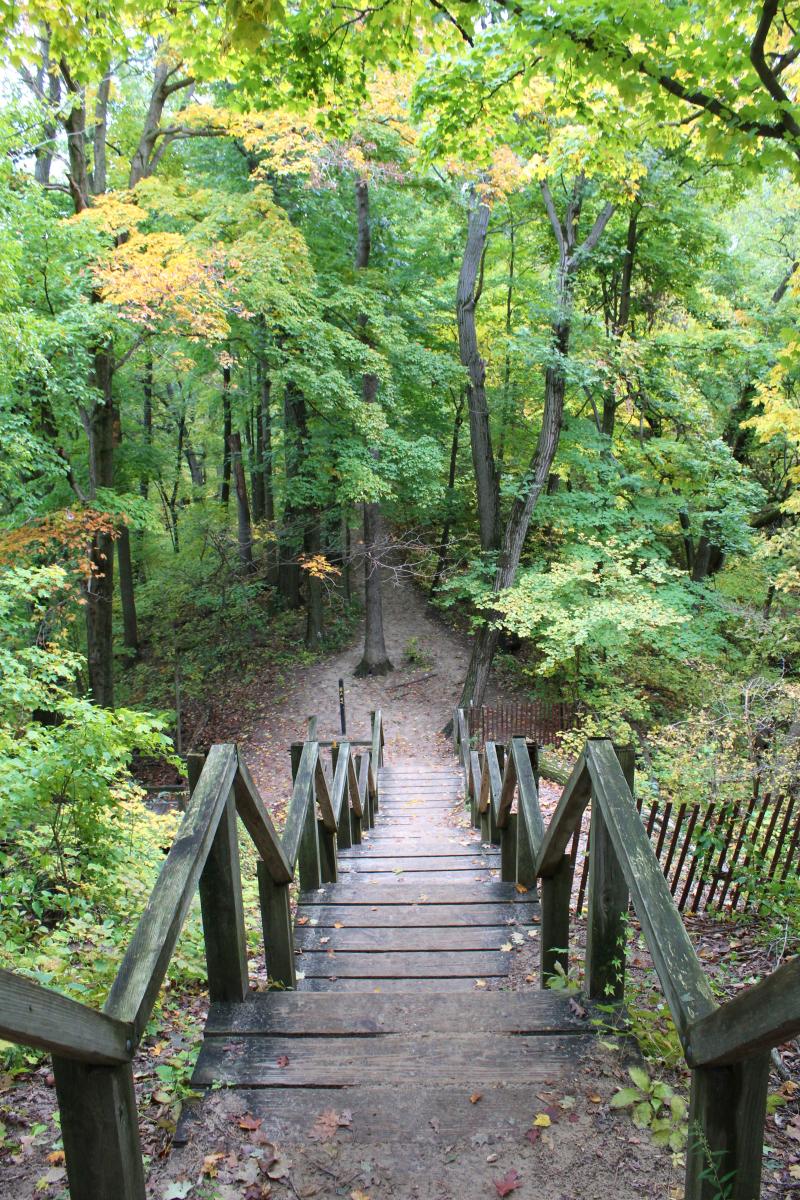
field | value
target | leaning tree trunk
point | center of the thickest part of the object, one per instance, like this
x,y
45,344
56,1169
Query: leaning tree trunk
x,y
244,525
570,257
375,660
470,285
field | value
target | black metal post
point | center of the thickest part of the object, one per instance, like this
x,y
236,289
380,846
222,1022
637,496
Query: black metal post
x,y
342,717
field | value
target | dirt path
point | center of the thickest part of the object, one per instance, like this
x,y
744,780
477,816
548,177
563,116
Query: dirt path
x,y
414,712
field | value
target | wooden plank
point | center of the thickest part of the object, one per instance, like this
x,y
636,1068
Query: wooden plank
x,y
309,868
410,965
100,1131
460,985
460,891
298,805
312,939
507,789
412,881
361,1062
685,985
556,892
528,801
339,799
276,922
220,887
756,1020
323,796
328,858
727,1111
565,819
138,980
332,1015
395,915
258,823
379,863
33,1015
608,904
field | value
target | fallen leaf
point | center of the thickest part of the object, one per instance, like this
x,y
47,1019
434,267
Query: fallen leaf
x,y
177,1190
279,1168
794,1171
302,921
595,1099
211,1164
328,1122
506,946
475,1097
248,1122
358,1195
520,887
282,1060
56,1158
509,1183
481,983
542,1121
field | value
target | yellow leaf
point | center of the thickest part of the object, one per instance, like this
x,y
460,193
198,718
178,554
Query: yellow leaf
x,y
542,1121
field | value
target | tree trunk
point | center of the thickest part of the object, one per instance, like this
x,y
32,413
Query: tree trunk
x,y
291,537
444,541
195,463
130,634
244,525
347,593
470,284
102,429
375,660
621,317
227,429
571,257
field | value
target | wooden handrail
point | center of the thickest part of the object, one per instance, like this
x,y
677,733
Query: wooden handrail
x,y
677,966
757,1019
144,966
329,818
37,1016
339,788
298,805
727,1047
353,787
258,824
565,820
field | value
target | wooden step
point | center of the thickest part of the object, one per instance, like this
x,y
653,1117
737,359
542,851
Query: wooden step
x,y
425,1058
313,939
381,916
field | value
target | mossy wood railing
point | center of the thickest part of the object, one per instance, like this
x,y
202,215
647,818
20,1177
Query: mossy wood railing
x,y
727,1047
93,1051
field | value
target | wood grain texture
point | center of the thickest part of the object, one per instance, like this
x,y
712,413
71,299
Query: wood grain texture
x,y
36,1016
136,986
756,1020
361,1062
258,823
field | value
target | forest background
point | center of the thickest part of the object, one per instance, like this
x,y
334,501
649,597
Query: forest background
x,y
294,303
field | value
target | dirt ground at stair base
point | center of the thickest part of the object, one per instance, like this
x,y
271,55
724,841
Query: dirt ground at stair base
x,y
436,1148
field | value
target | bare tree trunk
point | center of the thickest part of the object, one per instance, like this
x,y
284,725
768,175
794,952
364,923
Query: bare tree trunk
x,y
375,660
570,257
470,285
444,541
622,316
244,525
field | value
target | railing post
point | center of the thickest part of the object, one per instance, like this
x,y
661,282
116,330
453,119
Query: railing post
x,y
100,1131
726,1130
608,904
556,891
220,888
508,848
308,863
328,866
276,921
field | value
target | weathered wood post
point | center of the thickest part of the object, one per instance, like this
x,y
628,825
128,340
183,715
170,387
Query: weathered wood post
x,y
608,904
727,1111
556,890
220,888
100,1130
308,865
276,922
344,834
508,848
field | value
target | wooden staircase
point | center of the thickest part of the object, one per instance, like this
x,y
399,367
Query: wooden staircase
x,y
404,956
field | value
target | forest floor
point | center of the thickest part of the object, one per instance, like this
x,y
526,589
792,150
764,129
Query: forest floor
x,y
587,1151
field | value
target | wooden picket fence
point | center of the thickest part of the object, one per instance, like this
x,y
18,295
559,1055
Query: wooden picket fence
x,y
537,720
714,857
